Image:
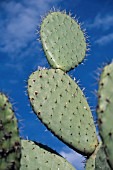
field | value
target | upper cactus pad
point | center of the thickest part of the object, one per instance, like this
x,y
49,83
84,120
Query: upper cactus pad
x,y
9,137
63,41
61,106
105,110
39,157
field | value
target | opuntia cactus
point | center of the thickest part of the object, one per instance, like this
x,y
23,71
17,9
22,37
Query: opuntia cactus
x,y
37,156
10,150
105,110
98,160
16,154
61,105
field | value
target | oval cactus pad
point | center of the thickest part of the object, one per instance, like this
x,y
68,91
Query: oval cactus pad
x,y
61,106
63,41
10,150
39,157
105,110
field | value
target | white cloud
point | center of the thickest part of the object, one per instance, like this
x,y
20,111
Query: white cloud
x,y
101,22
105,39
19,23
74,158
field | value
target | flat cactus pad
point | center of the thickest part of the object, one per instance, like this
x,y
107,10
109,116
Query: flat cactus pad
x,y
105,110
10,150
60,104
39,157
63,41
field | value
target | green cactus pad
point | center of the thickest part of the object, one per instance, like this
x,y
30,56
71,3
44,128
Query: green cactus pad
x,y
98,160
10,151
105,110
63,41
101,160
38,157
61,106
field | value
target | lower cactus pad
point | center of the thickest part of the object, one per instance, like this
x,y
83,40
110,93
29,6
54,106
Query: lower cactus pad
x,y
39,157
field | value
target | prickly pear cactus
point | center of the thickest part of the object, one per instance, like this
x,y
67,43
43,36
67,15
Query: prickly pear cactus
x,y
9,137
61,106
98,160
105,110
36,156
63,41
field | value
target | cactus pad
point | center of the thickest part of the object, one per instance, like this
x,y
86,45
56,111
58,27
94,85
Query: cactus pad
x,y
105,110
9,138
98,160
38,157
63,41
61,106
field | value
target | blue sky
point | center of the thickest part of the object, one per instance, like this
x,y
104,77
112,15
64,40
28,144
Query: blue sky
x,y
21,54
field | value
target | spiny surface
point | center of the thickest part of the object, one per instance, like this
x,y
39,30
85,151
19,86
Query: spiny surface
x,y
105,110
36,157
9,137
98,160
63,41
61,106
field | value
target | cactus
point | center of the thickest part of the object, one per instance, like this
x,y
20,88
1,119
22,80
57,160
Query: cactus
x,y
63,41
38,156
98,160
10,151
105,110
61,106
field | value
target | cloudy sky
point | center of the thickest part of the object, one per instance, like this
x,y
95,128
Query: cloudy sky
x,y
21,54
